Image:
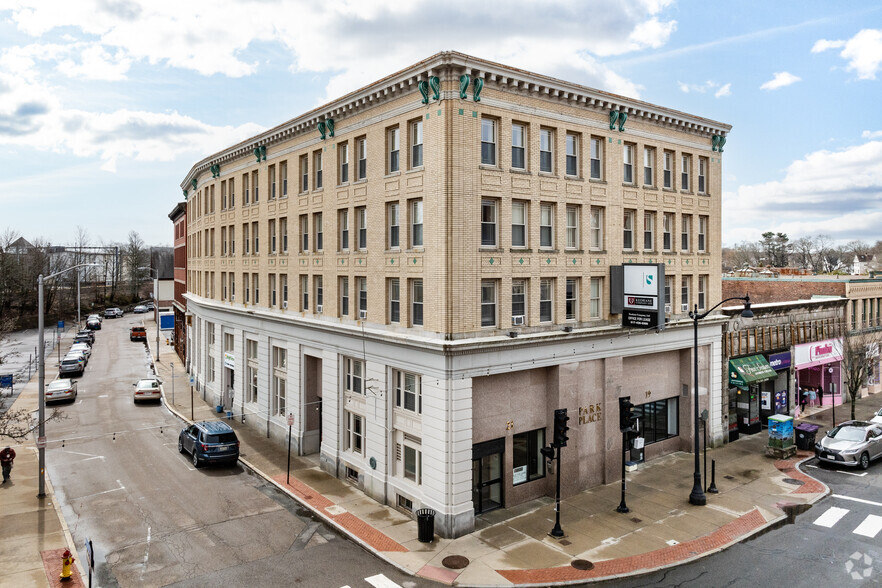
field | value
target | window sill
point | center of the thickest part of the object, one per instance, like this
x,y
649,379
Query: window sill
x,y
542,250
597,181
360,181
414,170
552,175
653,188
316,190
579,251
520,250
523,172
687,192
392,174
574,178
490,249
650,251
488,167
629,185
418,249
303,193
668,190
343,185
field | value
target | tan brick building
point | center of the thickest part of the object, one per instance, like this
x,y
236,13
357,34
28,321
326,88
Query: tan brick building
x,y
419,273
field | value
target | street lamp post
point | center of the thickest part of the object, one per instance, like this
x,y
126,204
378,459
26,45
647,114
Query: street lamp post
x,y
155,305
41,376
697,497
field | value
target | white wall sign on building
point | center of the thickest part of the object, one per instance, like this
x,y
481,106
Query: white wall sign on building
x,y
817,353
643,290
229,360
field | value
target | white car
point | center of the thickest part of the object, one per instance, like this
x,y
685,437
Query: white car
x,y
62,389
148,389
140,309
84,347
877,418
97,317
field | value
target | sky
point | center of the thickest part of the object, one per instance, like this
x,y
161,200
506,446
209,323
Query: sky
x,y
105,105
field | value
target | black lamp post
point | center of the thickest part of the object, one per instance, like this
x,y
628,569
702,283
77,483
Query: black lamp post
x,y
697,497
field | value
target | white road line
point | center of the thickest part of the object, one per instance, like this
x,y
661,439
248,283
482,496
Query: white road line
x,y
121,487
840,471
861,500
381,581
831,517
870,527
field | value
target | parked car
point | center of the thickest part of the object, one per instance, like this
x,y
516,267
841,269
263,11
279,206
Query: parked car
x,y
138,334
148,389
113,313
877,418
88,338
73,365
87,333
95,316
61,389
209,442
80,354
93,324
150,306
852,443
140,309
84,347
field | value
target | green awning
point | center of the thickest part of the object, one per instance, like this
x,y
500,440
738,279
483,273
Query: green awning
x,y
744,371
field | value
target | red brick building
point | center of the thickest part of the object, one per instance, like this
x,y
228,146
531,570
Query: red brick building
x,y
178,216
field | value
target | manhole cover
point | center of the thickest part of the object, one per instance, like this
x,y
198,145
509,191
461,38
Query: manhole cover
x,y
636,520
455,562
793,481
582,564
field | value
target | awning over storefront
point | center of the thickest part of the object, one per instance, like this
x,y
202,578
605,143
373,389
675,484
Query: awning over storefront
x,y
744,371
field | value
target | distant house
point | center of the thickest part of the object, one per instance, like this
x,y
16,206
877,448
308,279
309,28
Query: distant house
x,y
861,264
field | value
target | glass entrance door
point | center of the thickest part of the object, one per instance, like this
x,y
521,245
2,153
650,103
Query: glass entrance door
x,y
487,482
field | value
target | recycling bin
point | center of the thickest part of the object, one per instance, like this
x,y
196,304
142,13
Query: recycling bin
x,y
805,436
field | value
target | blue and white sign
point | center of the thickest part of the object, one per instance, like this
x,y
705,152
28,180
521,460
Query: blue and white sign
x,y
780,361
6,381
166,322
60,325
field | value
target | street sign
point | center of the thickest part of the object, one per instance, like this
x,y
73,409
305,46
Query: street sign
x,y
61,325
6,381
90,553
290,419
192,380
41,442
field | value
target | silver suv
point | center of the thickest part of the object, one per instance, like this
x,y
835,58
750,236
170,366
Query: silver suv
x,y
73,365
852,443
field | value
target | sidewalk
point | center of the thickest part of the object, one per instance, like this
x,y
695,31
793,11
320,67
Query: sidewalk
x,y
512,546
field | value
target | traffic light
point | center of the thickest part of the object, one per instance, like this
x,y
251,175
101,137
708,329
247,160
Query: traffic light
x,y
547,453
627,418
560,427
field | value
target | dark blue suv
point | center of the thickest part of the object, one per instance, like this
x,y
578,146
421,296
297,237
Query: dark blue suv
x,y
209,442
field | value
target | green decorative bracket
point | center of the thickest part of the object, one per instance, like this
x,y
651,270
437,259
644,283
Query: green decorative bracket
x,y
464,80
479,85
424,90
257,153
194,183
185,192
715,142
321,129
329,124
260,152
623,116
435,84
215,170
722,142
613,117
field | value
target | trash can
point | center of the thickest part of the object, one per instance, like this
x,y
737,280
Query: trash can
x,y
426,525
805,436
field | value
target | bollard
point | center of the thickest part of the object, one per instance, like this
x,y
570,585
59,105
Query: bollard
x,y
66,562
713,485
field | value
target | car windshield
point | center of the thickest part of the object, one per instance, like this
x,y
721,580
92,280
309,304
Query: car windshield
x,y
849,434
222,438
59,385
143,384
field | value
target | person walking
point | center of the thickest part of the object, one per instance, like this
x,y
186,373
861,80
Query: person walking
x,y
7,456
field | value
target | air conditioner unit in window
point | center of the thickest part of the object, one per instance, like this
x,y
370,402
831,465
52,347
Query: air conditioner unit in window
x,y
667,309
362,314
284,305
318,308
684,307
517,319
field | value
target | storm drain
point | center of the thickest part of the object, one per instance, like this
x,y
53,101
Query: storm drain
x,y
582,564
636,520
455,562
793,481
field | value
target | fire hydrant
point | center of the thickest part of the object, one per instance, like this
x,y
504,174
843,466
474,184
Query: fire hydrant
x,y
66,562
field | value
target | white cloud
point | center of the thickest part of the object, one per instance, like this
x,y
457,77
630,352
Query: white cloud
x,y
724,90
871,134
834,192
781,79
863,52
721,89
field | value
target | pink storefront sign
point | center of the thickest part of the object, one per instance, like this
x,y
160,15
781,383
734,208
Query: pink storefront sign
x,y
817,353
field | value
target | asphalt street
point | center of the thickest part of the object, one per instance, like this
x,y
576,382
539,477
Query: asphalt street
x,y
155,520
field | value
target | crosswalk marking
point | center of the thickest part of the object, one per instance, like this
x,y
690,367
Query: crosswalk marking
x,y
831,517
381,581
870,527
852,498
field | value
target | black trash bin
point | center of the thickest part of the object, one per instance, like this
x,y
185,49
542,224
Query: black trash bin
x,y
426,525
805,436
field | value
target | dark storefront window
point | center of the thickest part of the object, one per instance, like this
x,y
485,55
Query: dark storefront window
x,y
658,420
527,462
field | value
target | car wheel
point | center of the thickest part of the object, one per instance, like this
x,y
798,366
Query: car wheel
x,y
196,462
181,445
865,460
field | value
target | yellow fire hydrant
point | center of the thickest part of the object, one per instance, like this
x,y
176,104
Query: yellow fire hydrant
x,y
66,562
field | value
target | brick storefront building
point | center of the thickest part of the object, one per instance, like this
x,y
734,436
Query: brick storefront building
x,y
178,216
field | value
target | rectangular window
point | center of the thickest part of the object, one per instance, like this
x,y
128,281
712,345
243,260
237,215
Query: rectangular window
x,y
488,223
668,231
224,195
224,241
223,285
304,293
354,433
319,293
572,227
669,170
246,198
272,179
595,297
361,284
416,223
317,170
527,461
518,302
251,370
546,150
684,294
518,149
702,175
416,302
319,233
344,230
413,464
407,391
232,286
232,183
658,420
669,289
393,219
628,158
702,291
596,155
686,229
488,141
393,144
283,177
628,229
596,228
572,299
272,236
255,185
273,291
255,286
488,303
283,230
572,155
354,372
685,164
518,224
304,174
546,226
344,296
255,239
416,144
649,231
283,278
280,379
361,153
702,234
648,166
394,300
361,219
546,296
343,160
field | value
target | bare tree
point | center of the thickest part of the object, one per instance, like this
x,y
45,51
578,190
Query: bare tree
x,y
135,257
859,351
